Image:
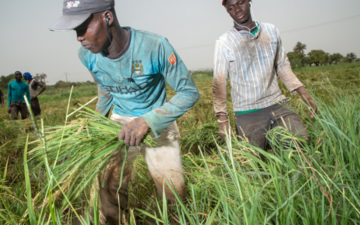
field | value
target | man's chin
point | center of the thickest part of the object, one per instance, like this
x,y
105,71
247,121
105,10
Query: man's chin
x,y
242,21
94,51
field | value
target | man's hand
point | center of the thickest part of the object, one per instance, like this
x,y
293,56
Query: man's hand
x,y
306,97
134,132
224,127
9,110
32,98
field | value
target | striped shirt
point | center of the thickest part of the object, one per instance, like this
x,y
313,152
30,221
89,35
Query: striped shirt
x,y
253,62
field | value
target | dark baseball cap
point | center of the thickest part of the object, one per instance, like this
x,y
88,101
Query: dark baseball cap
x,y
76,12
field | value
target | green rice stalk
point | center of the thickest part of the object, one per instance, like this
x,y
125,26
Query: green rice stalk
x,y
28,187
86,146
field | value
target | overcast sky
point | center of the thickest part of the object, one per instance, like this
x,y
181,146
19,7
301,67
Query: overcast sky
x,y
191,26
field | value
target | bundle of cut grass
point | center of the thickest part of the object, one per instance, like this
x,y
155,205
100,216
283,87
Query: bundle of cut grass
x,y
79,151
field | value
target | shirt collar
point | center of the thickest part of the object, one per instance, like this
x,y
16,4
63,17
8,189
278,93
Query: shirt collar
x,y
249,35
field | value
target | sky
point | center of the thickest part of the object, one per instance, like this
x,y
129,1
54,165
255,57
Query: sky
x,y
191,26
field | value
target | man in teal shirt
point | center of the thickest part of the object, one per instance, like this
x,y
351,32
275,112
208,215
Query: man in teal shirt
x,y
131,68
16,102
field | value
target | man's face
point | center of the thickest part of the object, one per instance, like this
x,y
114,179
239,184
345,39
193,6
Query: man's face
x,y
239,10
92,33
18,77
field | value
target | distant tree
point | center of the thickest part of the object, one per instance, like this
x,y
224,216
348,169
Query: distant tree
x,y
326,59
299,47
351,57
5,80
335,58
37,77
41,77
62,84
317,57
306,61
296,59
358,60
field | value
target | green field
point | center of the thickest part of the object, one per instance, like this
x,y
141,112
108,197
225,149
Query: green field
x,y
315,184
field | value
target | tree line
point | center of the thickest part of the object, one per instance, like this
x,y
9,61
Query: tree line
x,y
5,80
298,58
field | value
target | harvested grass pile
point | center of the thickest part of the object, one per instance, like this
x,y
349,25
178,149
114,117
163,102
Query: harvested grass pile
x,y
77,152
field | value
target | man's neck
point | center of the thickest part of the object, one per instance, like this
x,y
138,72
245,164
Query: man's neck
x,y
248,25
119,39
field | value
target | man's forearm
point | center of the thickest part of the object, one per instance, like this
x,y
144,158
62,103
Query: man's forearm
x,y
220,97
41,91
288,78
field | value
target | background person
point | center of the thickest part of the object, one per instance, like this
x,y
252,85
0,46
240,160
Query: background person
x,y
1,99
33,86
252,55
16,102
130,68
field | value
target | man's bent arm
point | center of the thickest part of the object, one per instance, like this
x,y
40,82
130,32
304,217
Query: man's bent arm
x,y
284,71
43,87
179,78
221,71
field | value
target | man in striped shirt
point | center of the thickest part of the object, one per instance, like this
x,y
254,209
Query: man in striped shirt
x,y
252,55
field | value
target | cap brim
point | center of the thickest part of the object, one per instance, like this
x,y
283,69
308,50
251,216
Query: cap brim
x,y
69,22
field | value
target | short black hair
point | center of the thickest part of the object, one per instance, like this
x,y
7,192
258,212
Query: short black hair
x,y
17,72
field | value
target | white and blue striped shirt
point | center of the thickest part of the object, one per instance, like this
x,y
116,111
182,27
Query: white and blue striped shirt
x,y
253,63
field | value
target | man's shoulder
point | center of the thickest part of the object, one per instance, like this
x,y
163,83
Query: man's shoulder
x,y
268,26
84,53
228,37
227,34
86,56
34,81
148,36
150,41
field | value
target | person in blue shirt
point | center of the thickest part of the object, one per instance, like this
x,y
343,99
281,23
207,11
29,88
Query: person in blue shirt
x,y
131,68
16,102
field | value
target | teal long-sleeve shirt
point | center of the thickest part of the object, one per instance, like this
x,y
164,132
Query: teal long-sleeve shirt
x,y
16,92
135,82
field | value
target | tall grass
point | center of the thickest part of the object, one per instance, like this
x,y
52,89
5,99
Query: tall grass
x,y
316,183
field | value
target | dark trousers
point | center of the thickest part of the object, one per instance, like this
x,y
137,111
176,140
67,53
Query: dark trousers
x,y
17,107
35,106
255,125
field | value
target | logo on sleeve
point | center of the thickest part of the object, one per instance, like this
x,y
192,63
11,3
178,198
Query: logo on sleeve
x,y
172,59
72,4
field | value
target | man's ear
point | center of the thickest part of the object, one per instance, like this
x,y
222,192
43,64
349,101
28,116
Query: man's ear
x,y
108,17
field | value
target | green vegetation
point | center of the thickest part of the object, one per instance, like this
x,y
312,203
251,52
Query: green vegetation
x,y
299,59
314,184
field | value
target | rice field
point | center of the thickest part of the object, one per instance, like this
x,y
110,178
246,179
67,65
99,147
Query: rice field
x,y
317,183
